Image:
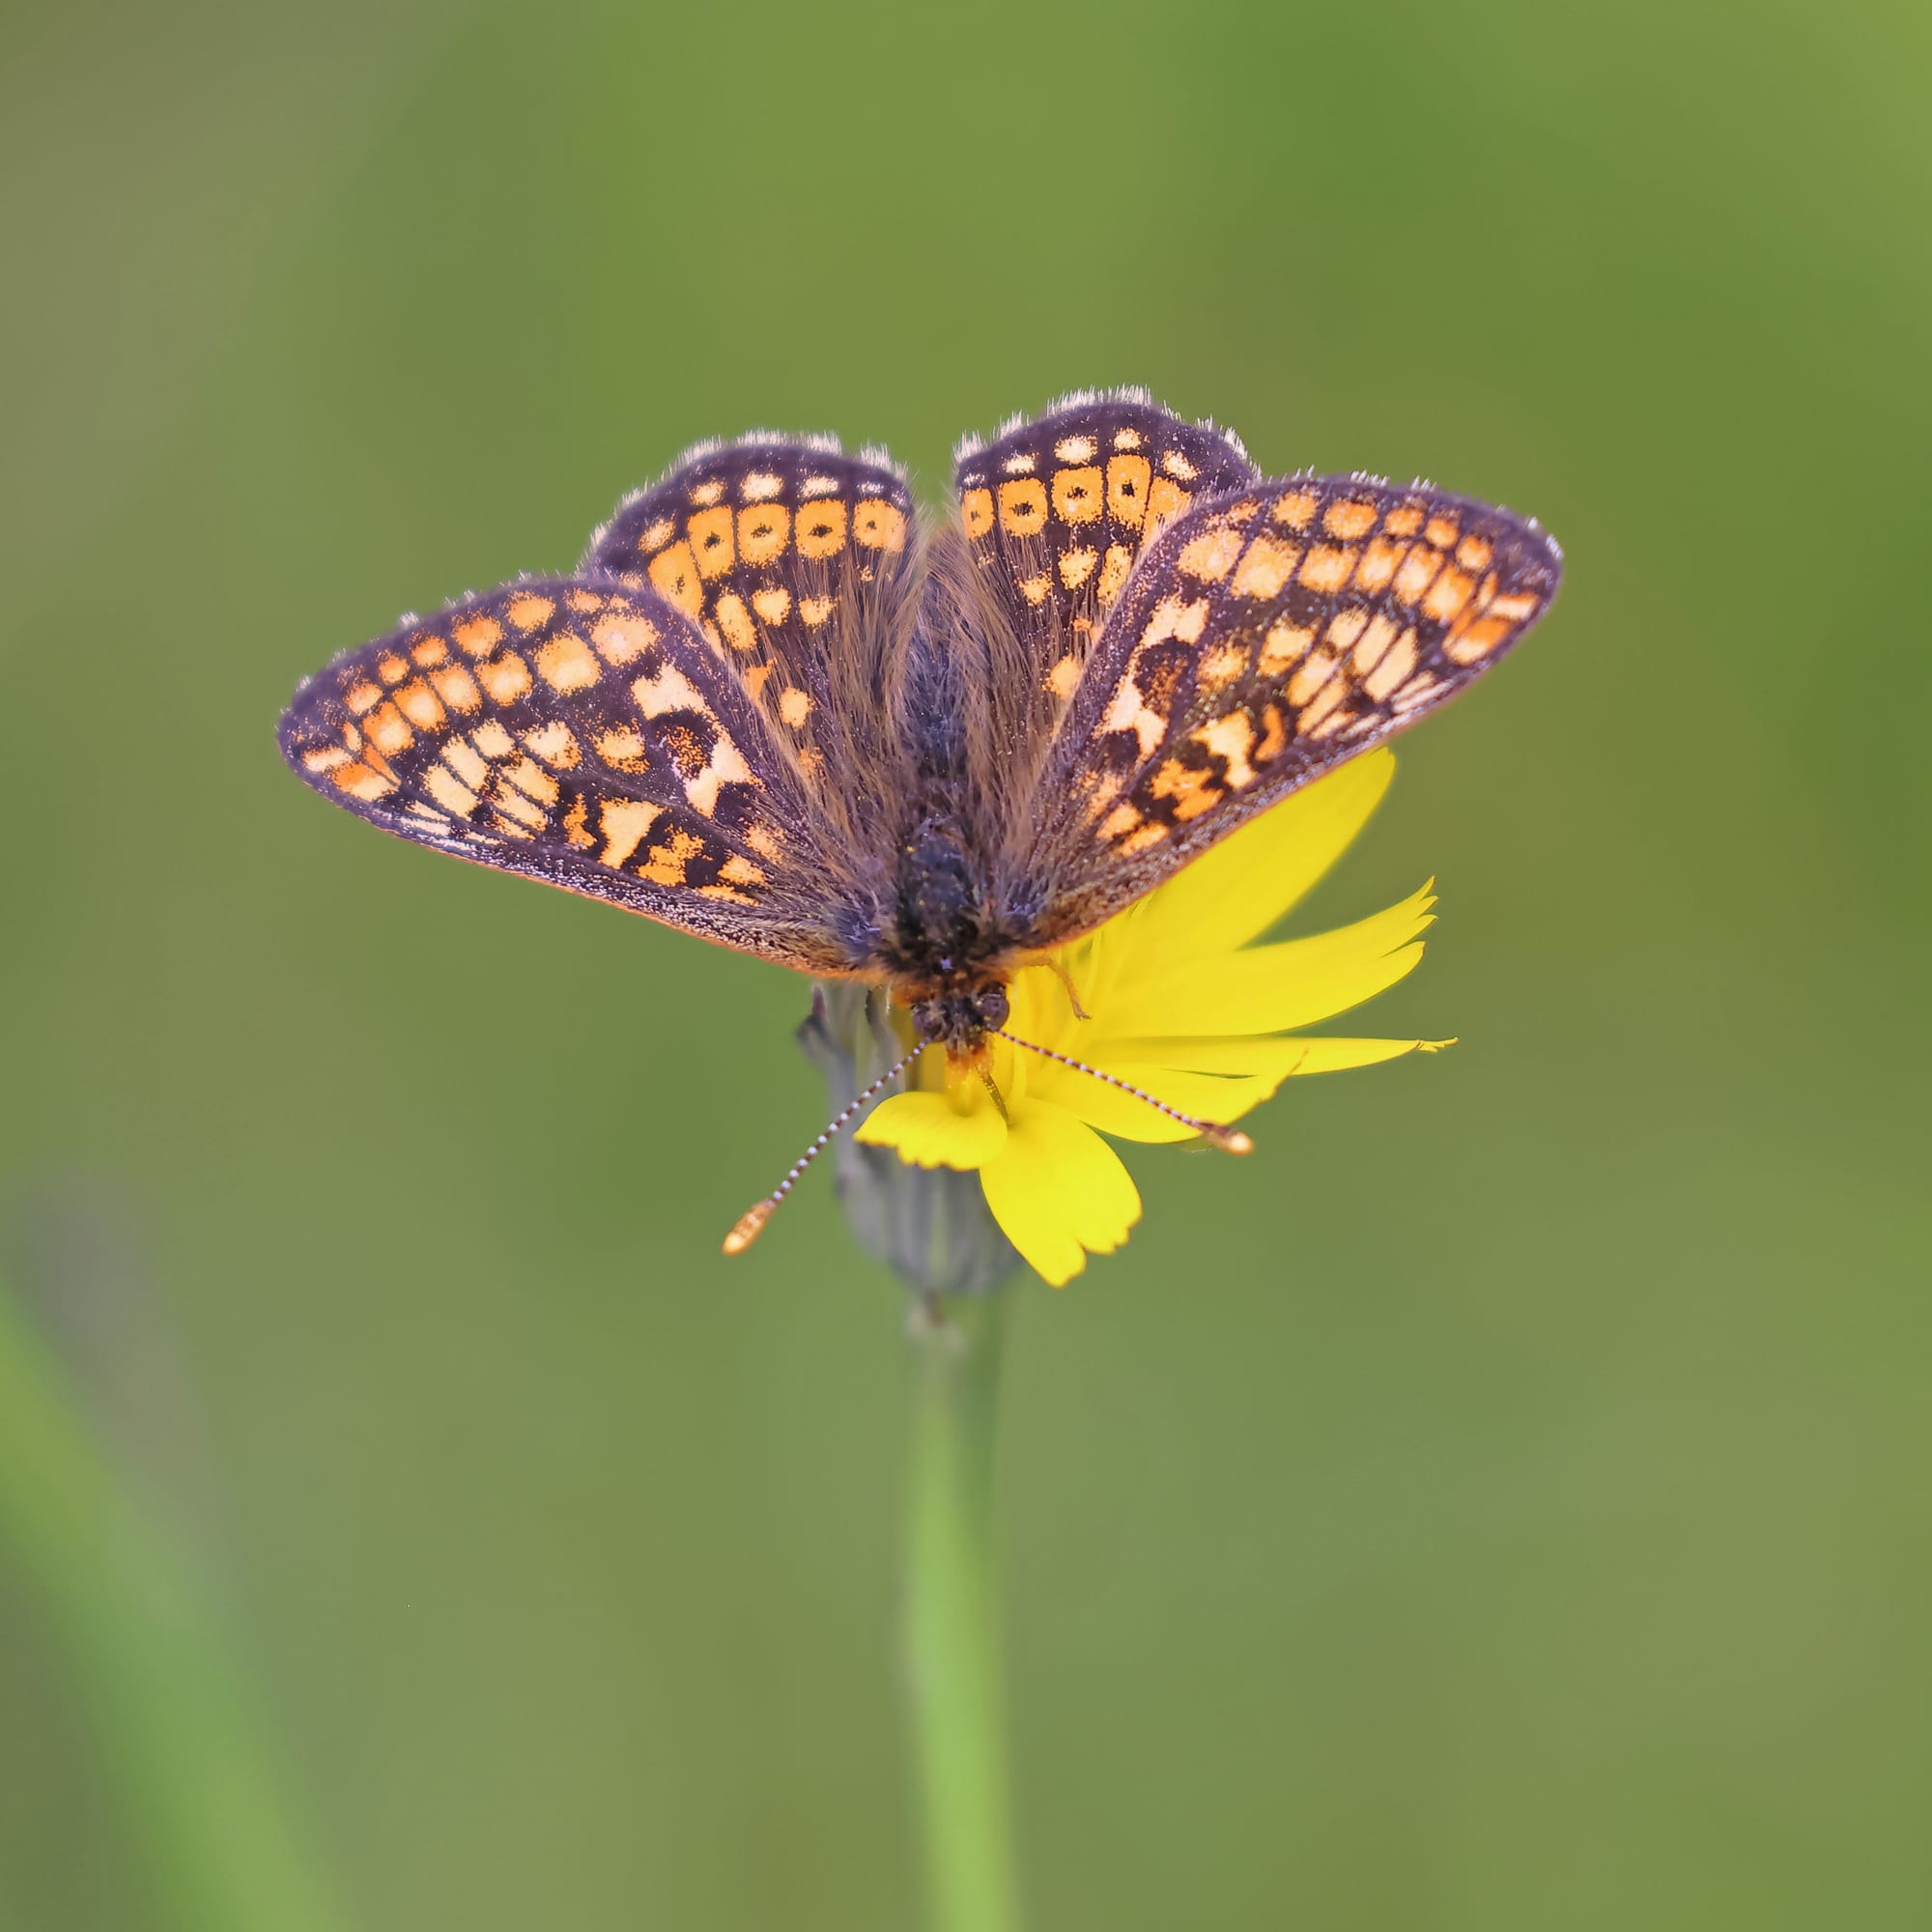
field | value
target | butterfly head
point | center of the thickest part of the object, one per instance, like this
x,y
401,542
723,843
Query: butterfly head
x,y
961,1020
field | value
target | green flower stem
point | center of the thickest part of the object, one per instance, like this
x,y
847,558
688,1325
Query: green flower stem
x,y
952,1621
148,1665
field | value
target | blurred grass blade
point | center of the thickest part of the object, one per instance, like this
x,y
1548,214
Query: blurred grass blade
x,y
199,1783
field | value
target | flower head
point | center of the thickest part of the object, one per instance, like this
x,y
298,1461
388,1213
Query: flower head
x,y
1175,998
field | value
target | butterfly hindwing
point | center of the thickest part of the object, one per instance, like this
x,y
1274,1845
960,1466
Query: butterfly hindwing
x,y
1057,510
785,553
580,731
1264,639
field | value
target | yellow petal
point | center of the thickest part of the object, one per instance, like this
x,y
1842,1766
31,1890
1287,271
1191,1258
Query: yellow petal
x,y
1059,1192
1283,1056
1042,1014
1235,892
1218,1080
950,1130
1268,988
1204,1095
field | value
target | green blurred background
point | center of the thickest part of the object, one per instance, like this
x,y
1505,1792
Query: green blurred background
x,y
1501,1502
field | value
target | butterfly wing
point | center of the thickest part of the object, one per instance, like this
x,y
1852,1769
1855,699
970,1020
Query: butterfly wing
x,y
793,560
1263,639
580,731
1055,511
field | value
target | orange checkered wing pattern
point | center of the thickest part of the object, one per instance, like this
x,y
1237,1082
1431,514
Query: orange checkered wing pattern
x,y
792,559
582,731
1263,639
1057,511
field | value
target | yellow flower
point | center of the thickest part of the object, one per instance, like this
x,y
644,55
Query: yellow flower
x,y
1179,1003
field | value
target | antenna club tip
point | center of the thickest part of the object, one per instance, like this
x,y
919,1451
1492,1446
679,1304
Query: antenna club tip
x,y
748,1226
1231,1140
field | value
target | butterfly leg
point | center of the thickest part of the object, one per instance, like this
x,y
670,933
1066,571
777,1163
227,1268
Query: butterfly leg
x,y
1065,980
998,1098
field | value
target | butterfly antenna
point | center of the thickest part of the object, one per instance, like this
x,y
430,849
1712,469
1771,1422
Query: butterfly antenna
x,y
750,1225
1230,1140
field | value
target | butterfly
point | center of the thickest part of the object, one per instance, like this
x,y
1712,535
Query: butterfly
x,y
778,707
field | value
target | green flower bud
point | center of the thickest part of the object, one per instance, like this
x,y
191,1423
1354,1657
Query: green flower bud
x,y
930,1226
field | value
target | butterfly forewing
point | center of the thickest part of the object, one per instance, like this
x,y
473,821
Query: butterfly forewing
x,y
1264,639
788,555
1057,510
578,731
